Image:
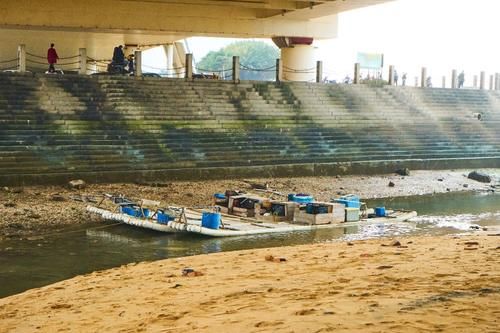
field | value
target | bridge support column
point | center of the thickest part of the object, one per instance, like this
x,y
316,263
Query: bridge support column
x,y
454,79
169,53
319,71
297,58
423,77
475,82
82,54
482,80
357,73
236,69
444,82
497,81
391,75
21,58
189,66
138,63
492,82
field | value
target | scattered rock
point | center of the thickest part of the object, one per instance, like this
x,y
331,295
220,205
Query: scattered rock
x,y
177,285
57,197
13,189
474,227
34,216
391,184
395,243
275,259
10,204
471,243
77,184
350,244
479,176
466,185
189,272
440,179
385,267
403,172
189,195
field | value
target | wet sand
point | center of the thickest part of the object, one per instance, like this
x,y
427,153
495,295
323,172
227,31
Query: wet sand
x,y
428,284
31,211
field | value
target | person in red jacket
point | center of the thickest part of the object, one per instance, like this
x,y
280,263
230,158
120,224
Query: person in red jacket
x,y
52,58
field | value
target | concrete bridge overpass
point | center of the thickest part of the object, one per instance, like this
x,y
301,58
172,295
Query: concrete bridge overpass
x,y
98,25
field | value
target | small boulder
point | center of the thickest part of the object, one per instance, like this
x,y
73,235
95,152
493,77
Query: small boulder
x,y
57,197
391,184
403,172
77,184
10,204
479,176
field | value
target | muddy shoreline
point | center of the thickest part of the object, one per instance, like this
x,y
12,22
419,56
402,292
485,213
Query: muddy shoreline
x,y
35,210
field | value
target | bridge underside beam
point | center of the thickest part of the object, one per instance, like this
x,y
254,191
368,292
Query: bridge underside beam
x,y
173,18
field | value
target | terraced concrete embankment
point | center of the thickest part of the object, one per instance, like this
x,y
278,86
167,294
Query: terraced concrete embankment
x,y
106,129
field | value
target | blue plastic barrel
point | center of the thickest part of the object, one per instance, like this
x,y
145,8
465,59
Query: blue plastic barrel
x,y
210,220
290,196
380,211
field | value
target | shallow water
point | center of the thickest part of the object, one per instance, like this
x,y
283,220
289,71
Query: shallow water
x,y
28,264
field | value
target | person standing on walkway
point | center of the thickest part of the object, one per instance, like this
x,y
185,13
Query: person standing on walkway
x,y
396,77
461,80
404,79
52,58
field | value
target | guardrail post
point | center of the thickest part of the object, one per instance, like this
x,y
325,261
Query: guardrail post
x,y
454,79
21,58
236,69
189,66
138,63
423,77
82,54
357,70
319,71
482,80
391,75
278,70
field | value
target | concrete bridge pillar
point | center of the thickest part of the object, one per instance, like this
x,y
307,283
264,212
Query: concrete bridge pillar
x,y
391,75
319,71
169,52
497,81
444,82
138,63
189,66
357,73
492,82
475,82
482,80
423,77
21,58
82,55
297,58
236,69
454,81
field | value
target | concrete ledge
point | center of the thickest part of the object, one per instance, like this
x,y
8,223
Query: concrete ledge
x,y
265,171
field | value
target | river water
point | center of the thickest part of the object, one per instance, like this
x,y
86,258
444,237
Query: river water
x,y
27,264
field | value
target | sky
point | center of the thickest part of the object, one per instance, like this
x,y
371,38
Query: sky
x,y
439,34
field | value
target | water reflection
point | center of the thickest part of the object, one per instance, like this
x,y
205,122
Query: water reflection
x,y
29,264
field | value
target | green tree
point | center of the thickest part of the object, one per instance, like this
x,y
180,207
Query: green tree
x,y
257,60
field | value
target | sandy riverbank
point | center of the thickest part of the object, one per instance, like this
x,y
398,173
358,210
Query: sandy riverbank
x,y
430,284
32,210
